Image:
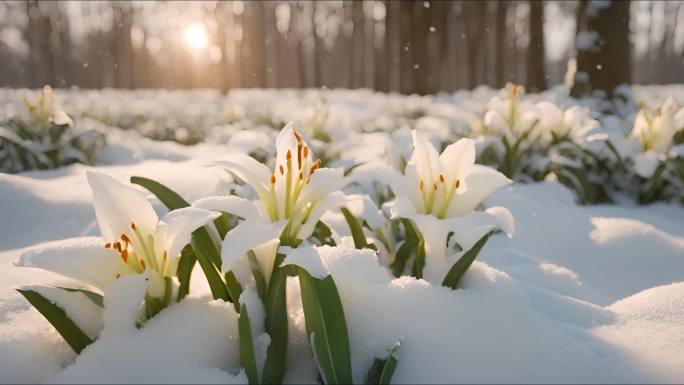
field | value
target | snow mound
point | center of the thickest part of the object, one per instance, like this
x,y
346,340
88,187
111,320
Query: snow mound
x,y
190,342
651,324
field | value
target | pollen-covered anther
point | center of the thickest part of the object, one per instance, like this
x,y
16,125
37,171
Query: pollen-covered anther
x,y
117,246
299,156
282,170
133,225
165,256
273,179
289,155
108,245
297,136
124,255
434,185
441,178
142,263
306,151
125,238
301,175
421,185
457,183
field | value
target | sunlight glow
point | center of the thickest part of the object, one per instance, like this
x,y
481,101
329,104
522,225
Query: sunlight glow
x,y
196,36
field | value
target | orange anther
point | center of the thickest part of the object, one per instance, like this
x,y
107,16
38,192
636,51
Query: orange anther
x,y
273,179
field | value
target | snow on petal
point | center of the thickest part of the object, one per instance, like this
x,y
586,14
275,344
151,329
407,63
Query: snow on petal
x,y
246,236
646,163
118,205
83,259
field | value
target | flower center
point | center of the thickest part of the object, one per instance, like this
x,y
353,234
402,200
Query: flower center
x,y
437,197
139,252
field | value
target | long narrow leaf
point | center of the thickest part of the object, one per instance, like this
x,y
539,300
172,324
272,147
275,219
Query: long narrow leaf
x,y
72,334
276,325
459,268
326,326
186,263
355,228
247,355
383,369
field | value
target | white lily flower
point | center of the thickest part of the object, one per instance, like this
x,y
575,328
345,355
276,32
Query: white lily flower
x,y
655,130
44,110
134,240
291,198
553,121
510,117
439,193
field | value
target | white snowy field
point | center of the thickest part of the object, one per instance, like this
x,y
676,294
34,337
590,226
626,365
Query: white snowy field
x,y
578,294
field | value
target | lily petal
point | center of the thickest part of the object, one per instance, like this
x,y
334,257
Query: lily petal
x,y
248,169
481,182
457,159
425,157
246,236
234,205
331,201
323,182
118,205
177,226
83,259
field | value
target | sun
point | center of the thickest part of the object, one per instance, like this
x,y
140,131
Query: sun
x,y
196,36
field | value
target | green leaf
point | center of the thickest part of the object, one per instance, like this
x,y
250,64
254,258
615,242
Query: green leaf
x,y
58,318
459,268
168,197
276,325
326,327
355,228
216,285
383,369
258,275
93,297
186,264
323,234
247,355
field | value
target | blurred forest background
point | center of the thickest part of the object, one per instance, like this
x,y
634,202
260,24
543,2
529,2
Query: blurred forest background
x,y
405,46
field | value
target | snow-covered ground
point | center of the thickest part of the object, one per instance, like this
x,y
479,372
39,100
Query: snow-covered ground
x,y
579,294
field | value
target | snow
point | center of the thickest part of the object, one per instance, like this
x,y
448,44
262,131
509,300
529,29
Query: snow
x,y
579,294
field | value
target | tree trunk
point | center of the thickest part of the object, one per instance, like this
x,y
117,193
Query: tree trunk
x,y
536,75
603,48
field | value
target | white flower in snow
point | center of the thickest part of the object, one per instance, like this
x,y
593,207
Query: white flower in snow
x,y
134,241
557,124
44,110
655,131
291,199
511,118
440,193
